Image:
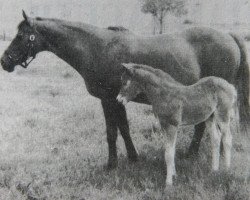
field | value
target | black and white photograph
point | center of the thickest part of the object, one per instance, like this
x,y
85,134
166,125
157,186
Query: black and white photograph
x,y
125,100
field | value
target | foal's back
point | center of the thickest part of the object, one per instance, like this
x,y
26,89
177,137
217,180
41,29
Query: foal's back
x,y
207,86
215,86
197,101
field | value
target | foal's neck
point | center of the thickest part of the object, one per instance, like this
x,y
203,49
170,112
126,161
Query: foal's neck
x,y
156,86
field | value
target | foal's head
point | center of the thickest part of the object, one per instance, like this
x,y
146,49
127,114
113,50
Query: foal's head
x,y
130,86
27,43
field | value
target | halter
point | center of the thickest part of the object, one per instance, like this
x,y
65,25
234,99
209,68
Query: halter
x,y
30,46
29,53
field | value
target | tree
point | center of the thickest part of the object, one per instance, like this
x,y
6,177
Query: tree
x,y
159,9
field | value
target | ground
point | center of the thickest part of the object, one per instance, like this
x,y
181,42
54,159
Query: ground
x,y
53,146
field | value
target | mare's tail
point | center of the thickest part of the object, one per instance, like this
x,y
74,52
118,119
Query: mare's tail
x,y
242,85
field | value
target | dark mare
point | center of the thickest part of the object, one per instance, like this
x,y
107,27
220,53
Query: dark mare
x,y
97,54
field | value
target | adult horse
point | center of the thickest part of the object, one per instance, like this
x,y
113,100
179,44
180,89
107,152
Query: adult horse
x,y
97,55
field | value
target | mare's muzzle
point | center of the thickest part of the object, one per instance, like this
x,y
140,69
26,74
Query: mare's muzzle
x,y
7,64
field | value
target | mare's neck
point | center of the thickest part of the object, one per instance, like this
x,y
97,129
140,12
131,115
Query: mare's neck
x,y
76,44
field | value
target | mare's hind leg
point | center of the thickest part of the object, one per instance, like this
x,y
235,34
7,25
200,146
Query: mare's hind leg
x,y
215,137
196,140
115,117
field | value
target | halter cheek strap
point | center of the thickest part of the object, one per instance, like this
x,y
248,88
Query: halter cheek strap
x,y
30,46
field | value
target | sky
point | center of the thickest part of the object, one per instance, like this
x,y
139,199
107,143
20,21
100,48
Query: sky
x,y
119,12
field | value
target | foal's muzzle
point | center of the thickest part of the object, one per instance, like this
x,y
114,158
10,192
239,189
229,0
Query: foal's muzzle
x,y
122,99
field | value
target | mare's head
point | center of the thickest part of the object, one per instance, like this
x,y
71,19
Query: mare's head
x,y
24,47
130,86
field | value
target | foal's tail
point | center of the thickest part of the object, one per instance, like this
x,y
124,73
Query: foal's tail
x,y
242,84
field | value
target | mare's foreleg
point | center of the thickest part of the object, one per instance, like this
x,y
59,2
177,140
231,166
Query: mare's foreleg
x,y
123,126
115,117
111,128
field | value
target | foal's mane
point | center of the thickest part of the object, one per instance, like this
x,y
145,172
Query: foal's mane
x,y
154,76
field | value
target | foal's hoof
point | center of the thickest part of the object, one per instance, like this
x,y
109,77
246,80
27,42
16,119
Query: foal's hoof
x,y
167,189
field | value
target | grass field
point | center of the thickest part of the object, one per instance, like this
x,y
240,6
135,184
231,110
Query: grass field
x,y
53,146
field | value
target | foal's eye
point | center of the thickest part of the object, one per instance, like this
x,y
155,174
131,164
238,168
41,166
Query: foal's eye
x,y
128,83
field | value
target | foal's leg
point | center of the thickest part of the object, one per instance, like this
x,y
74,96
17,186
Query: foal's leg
x,y
170,134
115,117
227,144
226,140
215,137
195,143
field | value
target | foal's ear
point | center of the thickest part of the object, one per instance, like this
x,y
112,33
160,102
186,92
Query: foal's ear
x,y
128,68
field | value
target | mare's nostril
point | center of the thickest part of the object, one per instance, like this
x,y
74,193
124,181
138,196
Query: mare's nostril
x,y
2,62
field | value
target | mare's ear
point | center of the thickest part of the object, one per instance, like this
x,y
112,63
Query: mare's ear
x,y
26,18
24,15
128,68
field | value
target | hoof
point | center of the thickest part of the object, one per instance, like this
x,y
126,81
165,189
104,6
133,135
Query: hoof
x,y
167,189
133,158
111,165
191,154
132,155
193,150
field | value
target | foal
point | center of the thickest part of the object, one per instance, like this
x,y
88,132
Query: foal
x,y
210,100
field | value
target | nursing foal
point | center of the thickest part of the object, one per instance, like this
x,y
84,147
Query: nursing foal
x,y
210,100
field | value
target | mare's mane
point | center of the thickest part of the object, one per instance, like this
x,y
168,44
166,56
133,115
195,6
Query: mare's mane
x,y
76,26
72,25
